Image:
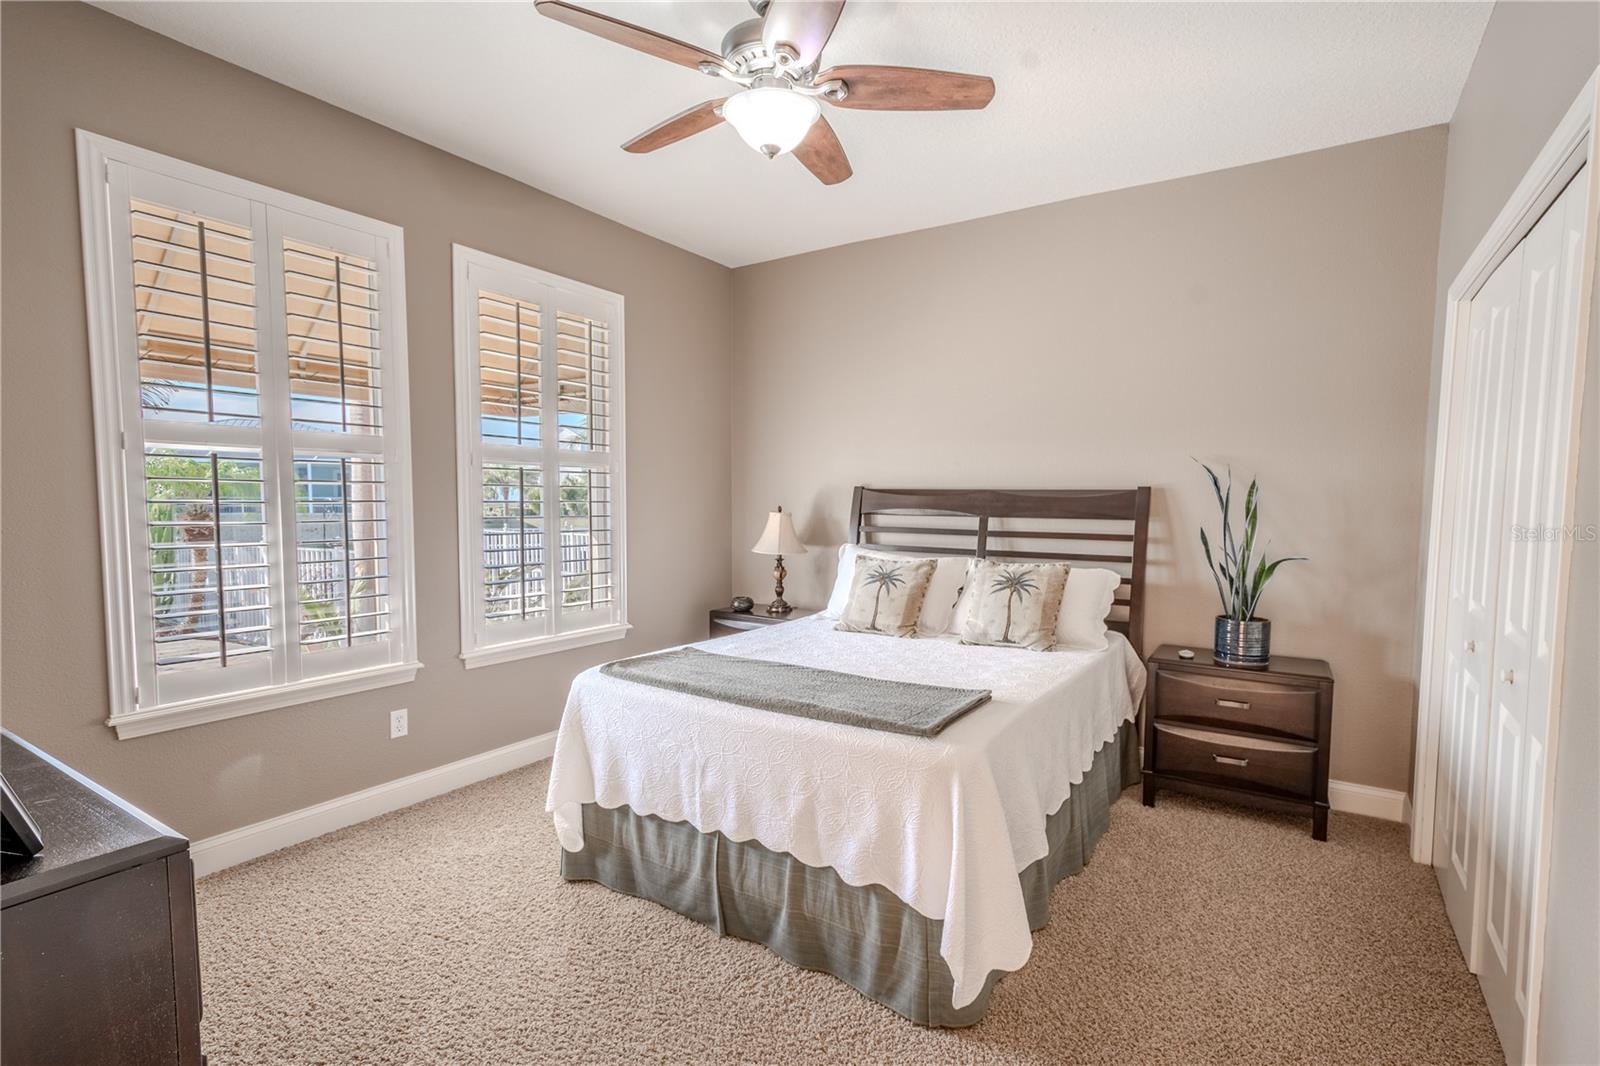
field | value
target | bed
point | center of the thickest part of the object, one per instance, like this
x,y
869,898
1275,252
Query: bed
x,y
913,868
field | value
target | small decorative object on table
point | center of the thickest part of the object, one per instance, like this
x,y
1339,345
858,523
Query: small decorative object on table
x,y
1241,639
742,605
780,539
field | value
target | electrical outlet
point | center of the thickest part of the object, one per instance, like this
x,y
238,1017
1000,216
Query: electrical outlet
x,y
397,724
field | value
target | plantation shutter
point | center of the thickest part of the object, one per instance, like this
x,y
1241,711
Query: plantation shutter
x,y
255,467
334,281
207,612
582,464
538,358
513,598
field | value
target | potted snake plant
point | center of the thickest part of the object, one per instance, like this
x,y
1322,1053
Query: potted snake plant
x,y
1241,638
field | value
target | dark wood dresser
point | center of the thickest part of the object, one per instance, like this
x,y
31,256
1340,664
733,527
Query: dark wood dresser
x,y
99,957
725,621
1250,734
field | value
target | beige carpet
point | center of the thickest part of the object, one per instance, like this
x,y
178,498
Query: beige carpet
x,y
1198,934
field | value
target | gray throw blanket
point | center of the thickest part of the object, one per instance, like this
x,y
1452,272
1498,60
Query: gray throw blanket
x,y
803,691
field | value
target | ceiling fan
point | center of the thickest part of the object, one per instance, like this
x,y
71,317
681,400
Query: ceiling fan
x,y
773,58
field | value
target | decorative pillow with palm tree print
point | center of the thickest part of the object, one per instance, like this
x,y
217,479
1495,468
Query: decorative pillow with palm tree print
x,y
1012,604
886,594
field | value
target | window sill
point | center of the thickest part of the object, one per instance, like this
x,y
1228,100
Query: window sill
x,y
237,704
526,649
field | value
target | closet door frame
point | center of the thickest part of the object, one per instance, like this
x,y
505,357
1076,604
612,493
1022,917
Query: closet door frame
x,y
1570,147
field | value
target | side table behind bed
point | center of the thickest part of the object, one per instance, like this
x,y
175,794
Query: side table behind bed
x,y
725,621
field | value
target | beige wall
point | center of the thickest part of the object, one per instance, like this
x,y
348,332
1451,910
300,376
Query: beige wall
x,y
1533,59
1275,316
71,65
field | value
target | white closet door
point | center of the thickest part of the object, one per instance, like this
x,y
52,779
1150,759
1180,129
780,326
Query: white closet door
x,y
1540,437
1474,585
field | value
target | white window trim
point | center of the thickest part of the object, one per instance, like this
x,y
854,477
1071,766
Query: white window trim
x,y
250,701
109,385
490,654
469,464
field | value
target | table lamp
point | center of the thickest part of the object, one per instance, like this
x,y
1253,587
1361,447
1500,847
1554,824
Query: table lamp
x,y
780,539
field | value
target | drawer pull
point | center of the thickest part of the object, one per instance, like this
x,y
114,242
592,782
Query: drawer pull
x,y
1228,760
1238,705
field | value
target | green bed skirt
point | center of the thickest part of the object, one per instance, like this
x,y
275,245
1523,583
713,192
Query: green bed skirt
x,y
865,936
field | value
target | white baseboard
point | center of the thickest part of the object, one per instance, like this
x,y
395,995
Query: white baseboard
x,y
262,838
1383,803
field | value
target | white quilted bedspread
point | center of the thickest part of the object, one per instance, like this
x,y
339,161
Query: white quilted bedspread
x,y
945,823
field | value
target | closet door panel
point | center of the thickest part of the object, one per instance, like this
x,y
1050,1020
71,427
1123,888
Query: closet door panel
x,y
1542,424
1473,587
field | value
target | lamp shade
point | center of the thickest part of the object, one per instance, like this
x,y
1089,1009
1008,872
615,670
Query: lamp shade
x,y
779,538
771,120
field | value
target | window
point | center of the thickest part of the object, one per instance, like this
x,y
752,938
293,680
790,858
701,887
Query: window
x,y
249,367
539,439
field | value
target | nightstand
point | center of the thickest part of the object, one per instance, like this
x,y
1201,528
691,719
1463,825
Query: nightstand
x,y
725,621
1260,735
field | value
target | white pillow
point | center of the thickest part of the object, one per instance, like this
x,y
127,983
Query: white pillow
x,y
1085,607
841,582
938,606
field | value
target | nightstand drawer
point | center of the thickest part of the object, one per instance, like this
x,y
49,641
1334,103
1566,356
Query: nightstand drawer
x,y
727,627
1238,702
1284,766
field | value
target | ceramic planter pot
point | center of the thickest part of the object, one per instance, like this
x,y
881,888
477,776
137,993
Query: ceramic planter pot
x,y
1247,644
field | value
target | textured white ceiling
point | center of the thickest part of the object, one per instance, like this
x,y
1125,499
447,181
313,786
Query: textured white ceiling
x,y
1089,97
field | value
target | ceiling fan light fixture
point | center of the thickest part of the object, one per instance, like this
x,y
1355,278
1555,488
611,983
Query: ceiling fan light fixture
x,y
776,61
771,119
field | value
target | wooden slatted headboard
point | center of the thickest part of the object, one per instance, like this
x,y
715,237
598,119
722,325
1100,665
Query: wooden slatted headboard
x,y
1074,526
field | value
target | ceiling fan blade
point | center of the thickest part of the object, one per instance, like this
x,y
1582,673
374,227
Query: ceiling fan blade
x,y
696,119
803,25
822,154
627,34
875,88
